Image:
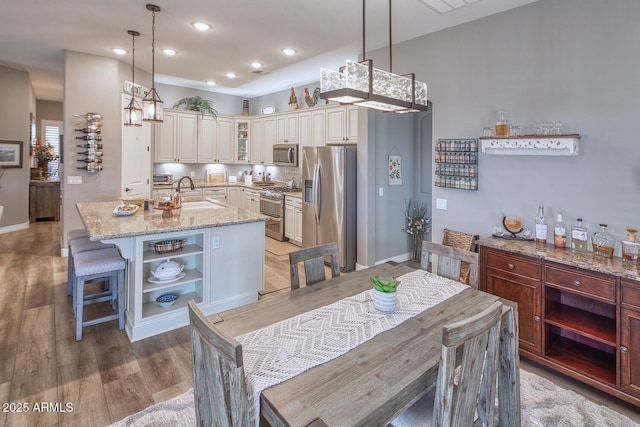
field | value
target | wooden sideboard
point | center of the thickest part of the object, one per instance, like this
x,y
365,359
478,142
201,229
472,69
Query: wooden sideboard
x,y
44,200
578,313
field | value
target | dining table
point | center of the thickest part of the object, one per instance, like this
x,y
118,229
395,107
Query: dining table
x,y
372,383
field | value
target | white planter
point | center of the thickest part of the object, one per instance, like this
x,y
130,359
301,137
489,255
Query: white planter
x,y
384,301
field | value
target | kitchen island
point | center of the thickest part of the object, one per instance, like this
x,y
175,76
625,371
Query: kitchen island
x,y
222,254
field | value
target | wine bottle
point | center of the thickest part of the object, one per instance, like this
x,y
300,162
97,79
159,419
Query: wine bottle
x,y
89,129
92,167
559,232
579,236
541,226
91,160
90,137
98,146
92,153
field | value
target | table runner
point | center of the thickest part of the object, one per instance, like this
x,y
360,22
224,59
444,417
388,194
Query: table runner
x,y
280,351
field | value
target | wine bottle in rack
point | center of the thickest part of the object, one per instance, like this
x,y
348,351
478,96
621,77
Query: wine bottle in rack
x,y
90,137
92,167
91,160
90,129
90,146
93,153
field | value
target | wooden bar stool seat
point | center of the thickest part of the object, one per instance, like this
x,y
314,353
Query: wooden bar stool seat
x,y
89,265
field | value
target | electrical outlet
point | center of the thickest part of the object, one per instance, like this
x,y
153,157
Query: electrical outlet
x,y
74,179
380,192
193,173
441,204
215,242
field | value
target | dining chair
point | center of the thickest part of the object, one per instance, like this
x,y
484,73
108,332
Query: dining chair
x,y
313,258
450,262
465,391
464,241
219,384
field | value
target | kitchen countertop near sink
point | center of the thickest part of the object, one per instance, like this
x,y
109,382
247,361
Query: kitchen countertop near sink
x,y
585,260
101,223
201,183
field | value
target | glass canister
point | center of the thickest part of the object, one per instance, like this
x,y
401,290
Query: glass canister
x,y
603,242
502,124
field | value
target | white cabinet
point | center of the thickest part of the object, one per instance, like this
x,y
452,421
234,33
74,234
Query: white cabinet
x,y
342,125
287,130
235,197
176,138
252,200
226,140
213,146
215,193
311,127
270,131
242,141
293,219
257,141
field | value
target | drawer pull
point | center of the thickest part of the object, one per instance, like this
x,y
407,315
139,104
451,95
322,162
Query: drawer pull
x,y
577,282
536,318
511,266
623,349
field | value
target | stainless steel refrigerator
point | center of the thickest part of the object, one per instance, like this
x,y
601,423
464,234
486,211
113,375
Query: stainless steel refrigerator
x,y
329,200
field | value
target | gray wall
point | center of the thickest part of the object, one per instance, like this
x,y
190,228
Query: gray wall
x,y
47,110
227,105
17,92
570,60
280,100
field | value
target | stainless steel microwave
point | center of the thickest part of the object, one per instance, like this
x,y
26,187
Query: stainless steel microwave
x,y
285,155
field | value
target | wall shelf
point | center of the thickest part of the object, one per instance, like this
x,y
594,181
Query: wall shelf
x,y
457,163
533,145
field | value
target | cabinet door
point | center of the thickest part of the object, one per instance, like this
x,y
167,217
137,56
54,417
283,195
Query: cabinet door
x,y
187,137
236,197
243,154
225,140
208,140
165,137
335,124
257,141
289,221
287,130
527,294
317,128
351,127
630,351
305,130
297,234
270,130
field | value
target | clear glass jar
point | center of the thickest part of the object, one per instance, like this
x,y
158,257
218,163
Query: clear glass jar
x,y
603,243
502,125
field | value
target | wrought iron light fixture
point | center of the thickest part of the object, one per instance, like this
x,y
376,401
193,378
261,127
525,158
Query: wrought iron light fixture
x,y
152,104
133,111
361,84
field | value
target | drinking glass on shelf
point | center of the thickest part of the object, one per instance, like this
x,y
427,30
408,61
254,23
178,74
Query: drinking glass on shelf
x,y
487,131
557,127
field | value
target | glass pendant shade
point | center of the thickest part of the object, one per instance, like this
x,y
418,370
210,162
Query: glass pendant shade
x,y
152,107
133,113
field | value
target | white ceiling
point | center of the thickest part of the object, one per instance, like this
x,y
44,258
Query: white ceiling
x,y
35,33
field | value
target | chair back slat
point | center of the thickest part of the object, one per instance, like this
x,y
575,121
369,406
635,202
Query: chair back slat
x,y
313,259
219,384
450,261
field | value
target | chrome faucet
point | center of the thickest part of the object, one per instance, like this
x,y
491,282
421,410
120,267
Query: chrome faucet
x,y
193,187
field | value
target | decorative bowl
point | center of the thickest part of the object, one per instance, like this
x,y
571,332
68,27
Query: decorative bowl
x,y
134,200
166,300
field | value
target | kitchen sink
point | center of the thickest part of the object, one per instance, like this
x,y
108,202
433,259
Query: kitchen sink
x,y
201,204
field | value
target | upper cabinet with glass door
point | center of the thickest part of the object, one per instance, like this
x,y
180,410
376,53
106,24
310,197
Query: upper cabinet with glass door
x,y
242,141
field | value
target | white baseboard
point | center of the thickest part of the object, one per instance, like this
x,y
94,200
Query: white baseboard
x,y
15,227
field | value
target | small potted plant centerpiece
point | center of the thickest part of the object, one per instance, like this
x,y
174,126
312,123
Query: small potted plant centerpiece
x,y
384,293
196,103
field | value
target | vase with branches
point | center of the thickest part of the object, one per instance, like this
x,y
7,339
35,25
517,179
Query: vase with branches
x,y
418,223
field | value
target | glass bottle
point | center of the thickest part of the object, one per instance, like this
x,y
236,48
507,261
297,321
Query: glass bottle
x,y
603,242
579,236
559,232
502,126
541,226
631,247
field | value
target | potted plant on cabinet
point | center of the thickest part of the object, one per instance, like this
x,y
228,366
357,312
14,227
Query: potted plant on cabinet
x,y
196,103
384,293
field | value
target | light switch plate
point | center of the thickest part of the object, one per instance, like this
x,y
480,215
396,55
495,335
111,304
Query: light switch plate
x,y
74,179
441,204
215,242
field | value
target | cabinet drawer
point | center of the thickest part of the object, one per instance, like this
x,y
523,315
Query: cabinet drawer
x,y
630,294
515,264
601,287
214,191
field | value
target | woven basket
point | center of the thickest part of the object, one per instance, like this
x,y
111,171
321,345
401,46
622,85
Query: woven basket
x,y
463,241
168,245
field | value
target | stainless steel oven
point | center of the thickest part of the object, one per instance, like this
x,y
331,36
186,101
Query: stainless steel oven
x,y
273,207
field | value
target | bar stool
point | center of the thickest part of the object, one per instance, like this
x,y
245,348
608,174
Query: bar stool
x,y
77,245
95,264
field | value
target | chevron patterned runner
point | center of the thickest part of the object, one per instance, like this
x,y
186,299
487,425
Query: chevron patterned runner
x,y
285,349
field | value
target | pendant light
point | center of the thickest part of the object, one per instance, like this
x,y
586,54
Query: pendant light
x,y
152,104
133,111
361,84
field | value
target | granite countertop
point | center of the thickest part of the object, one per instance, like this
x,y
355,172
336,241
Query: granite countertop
x,y
585,260
201,183
101,223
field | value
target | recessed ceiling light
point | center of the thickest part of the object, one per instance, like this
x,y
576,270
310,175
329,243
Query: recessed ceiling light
x,y
231,75
201,26
210,82
256,64
288,51
119,51
169,52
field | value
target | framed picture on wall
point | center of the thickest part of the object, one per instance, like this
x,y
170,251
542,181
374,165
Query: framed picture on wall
x,y
11,154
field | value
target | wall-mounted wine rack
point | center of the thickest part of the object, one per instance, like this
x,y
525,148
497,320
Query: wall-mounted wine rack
x,y
91,148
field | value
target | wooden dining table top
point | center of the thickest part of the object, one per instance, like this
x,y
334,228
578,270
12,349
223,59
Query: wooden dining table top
x,y
370,384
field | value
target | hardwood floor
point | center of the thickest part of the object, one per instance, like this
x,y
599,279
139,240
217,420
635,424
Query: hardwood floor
x,y
55,380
